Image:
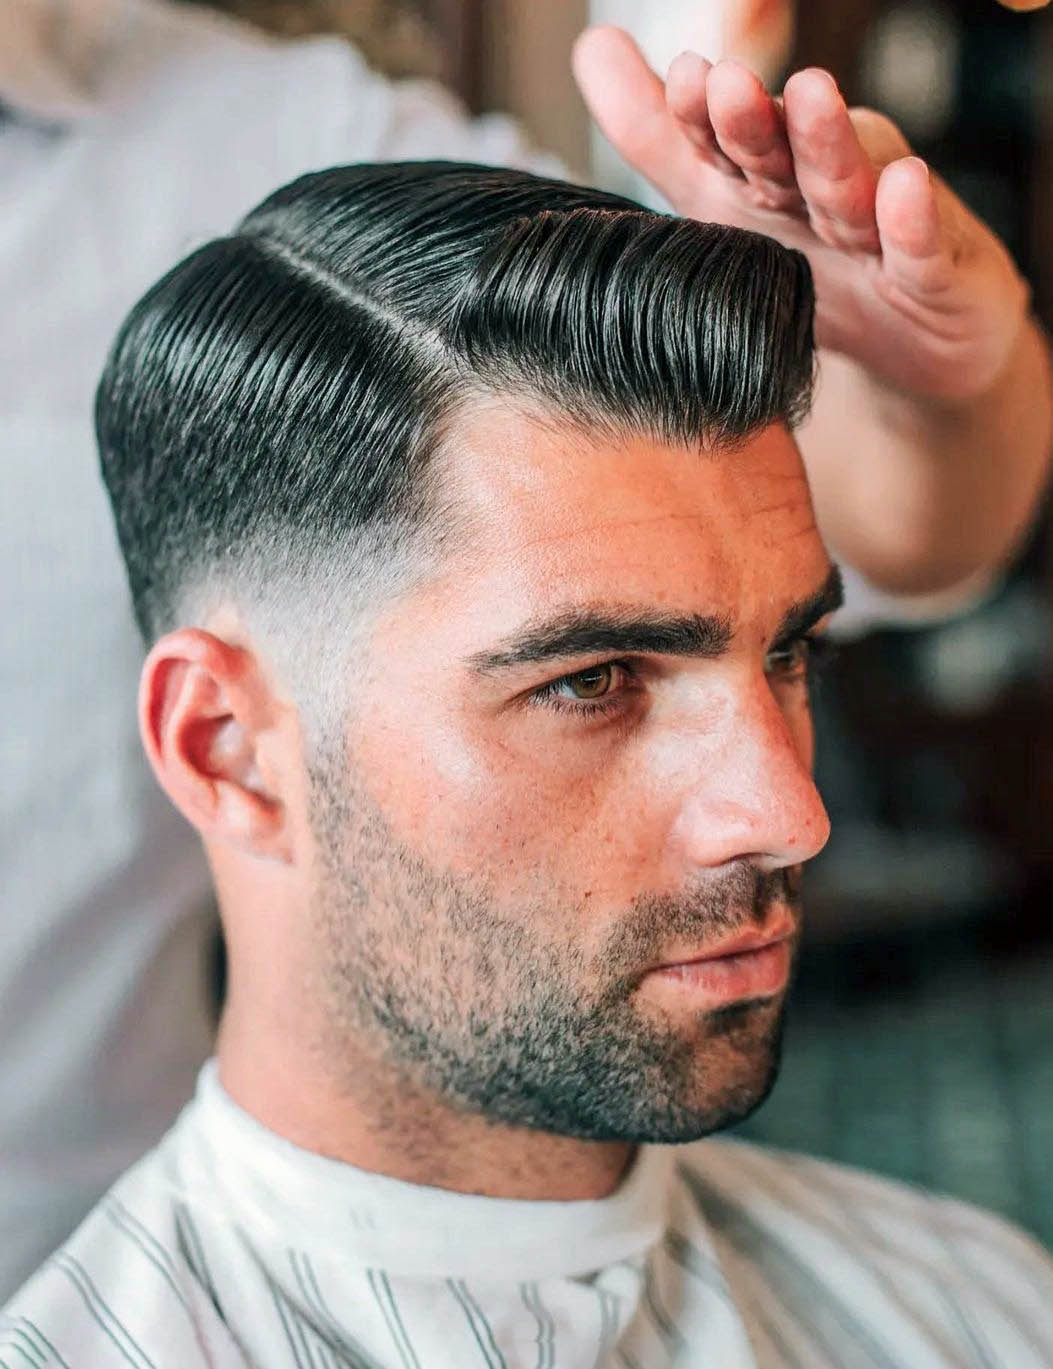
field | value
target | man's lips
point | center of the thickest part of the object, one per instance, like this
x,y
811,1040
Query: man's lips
x,y
748,939
753,963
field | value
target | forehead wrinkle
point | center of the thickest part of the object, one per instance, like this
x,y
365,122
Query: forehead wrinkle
x,y
809,529
594,440
608,524
792,499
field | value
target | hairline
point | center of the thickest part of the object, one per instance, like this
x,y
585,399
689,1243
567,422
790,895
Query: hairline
x,y
434,523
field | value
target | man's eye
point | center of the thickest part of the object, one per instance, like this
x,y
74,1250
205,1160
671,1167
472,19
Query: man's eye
x,y
792,658
804,655
597,689
593,683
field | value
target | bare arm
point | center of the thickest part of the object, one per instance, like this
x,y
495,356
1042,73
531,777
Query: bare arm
x,y
920,496
929,443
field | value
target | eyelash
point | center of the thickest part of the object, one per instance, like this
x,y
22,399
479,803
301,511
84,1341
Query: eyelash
x,y
820,651
549,697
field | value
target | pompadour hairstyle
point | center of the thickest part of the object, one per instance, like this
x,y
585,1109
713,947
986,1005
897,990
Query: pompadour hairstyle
x,y
284,388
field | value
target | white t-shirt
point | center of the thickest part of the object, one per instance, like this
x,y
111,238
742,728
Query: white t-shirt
x,y
229,1247
106,923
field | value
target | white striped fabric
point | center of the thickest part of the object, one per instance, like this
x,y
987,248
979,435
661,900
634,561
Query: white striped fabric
x,y
228,1247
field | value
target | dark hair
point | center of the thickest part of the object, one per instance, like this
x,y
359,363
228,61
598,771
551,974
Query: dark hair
x,y
285,386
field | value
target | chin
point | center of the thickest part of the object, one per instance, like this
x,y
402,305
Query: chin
x,y
676,1090
724,1075
673,1122
728,1110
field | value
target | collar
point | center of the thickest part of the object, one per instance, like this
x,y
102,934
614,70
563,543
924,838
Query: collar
x,y
280,1194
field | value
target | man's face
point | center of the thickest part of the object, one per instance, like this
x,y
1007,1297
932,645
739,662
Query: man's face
x,y
579,759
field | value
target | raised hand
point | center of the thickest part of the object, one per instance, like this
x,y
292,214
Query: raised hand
x,y
909,283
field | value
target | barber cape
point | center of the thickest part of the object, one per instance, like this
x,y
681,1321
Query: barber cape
x,y
229,1247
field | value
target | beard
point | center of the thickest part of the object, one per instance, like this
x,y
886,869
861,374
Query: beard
x,y
470,1001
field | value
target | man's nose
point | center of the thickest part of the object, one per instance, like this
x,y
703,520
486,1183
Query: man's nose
x,y
752,796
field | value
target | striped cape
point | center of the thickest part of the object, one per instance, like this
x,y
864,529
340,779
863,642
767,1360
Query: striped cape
x,y
228,1247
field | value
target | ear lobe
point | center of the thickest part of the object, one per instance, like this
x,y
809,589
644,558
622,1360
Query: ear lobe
x,y
204,711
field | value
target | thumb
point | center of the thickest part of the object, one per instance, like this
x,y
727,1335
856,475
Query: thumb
x,y
914,248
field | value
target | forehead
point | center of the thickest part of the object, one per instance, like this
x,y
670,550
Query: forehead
x,y
546,511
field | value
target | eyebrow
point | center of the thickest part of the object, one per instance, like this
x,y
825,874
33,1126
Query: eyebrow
x,y
588,631
802,616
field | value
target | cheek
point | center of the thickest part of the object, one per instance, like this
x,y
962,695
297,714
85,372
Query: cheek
x,y
557,825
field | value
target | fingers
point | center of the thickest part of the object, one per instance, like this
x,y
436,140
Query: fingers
x,y
808,157
834,173
627,100
666,132
915,253
687,98
751,133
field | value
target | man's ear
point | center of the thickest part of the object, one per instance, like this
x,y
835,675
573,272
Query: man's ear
x,y
209,723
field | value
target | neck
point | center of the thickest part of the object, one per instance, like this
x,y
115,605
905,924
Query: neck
x,y
368,1116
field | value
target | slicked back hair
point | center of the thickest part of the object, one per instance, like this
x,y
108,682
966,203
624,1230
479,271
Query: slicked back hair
x,y
274,402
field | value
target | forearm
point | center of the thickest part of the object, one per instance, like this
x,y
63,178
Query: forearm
x,y
920,495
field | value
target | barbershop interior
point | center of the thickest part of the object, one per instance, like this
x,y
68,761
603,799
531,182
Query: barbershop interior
x,y
919,1041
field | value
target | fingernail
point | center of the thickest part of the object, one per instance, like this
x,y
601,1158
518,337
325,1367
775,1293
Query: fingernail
x,y
689,66
823,74
828,78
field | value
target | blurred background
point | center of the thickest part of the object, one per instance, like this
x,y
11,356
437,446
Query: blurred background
x,y
921,1041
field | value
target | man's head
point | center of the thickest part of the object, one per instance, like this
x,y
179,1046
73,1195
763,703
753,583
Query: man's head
x,y
462,510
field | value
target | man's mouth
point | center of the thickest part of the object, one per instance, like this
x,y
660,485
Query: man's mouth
x,y
752,963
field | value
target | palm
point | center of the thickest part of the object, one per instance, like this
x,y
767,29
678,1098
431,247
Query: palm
x,y
908,282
